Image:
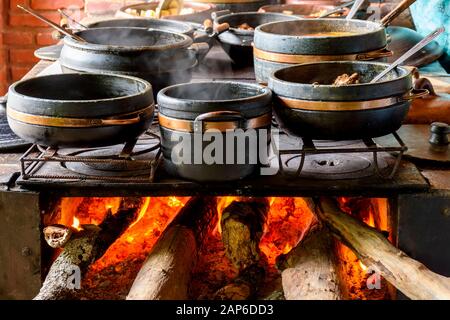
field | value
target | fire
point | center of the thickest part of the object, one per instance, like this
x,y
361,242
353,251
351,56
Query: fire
x,y
175,202
222,203
288,221
76,224
373,212
142,211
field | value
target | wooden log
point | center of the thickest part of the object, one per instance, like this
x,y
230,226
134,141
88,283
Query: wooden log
x,y
166,273
57,235
82,249
411,277
242,225
310,270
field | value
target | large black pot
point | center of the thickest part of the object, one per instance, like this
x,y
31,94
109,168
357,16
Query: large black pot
x,y
80,110
326,112
238,43
160,57
190,110
282,44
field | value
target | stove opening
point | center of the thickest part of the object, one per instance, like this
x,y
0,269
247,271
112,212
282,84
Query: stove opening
x,y
206,248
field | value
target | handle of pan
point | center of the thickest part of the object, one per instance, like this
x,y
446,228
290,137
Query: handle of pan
x,y
416,94
219,116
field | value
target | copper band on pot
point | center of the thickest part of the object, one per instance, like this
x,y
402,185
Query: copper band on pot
x,y
298,59
122,119
188,125
341,105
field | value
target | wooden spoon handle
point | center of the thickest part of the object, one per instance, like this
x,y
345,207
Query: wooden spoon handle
x,y
402,6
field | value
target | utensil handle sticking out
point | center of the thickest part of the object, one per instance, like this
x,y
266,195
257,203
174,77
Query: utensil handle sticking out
x,y
425,41
402,6
51,23
354,9
61,12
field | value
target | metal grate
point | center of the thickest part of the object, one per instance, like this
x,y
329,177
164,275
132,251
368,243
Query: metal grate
x,y
36,156
309,148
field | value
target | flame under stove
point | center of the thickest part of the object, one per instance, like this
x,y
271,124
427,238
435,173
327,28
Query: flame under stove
x,y
287,223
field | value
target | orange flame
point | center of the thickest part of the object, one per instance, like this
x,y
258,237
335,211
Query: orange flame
x,y
76,224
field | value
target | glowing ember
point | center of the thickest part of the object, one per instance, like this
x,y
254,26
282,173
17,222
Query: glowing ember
x,y
76,224
142,211
288,221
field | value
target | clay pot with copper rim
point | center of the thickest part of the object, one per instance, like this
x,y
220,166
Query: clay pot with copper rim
x,y
191,110
308,104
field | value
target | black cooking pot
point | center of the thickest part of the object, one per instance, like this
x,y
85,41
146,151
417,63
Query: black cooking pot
x,y
282,44
80,110
306,104
238,43
190,110
160,57
148,23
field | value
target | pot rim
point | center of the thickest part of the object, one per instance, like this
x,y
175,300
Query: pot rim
x,y
147,89
300,37
220,19
266,92
184,43
274,79
187,28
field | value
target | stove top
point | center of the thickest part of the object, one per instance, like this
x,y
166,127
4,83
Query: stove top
x,y
304,167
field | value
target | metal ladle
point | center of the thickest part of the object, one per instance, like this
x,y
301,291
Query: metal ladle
x,y
408,54
51,23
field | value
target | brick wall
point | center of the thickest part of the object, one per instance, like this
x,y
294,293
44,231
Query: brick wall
x,y
21,34
106,7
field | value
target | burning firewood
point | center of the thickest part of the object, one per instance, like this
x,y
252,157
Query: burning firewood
x,y
57,235
409,276
83,248
310,270
242,226
166,273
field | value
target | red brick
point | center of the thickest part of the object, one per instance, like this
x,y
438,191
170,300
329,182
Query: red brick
x,y
4,75
24,19
20,56
13,4
3,89
18,38
56,4
45,39
17,72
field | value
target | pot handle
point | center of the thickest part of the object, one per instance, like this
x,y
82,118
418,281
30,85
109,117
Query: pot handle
x,y
385,53
200,49
124,121
218,115
416,94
